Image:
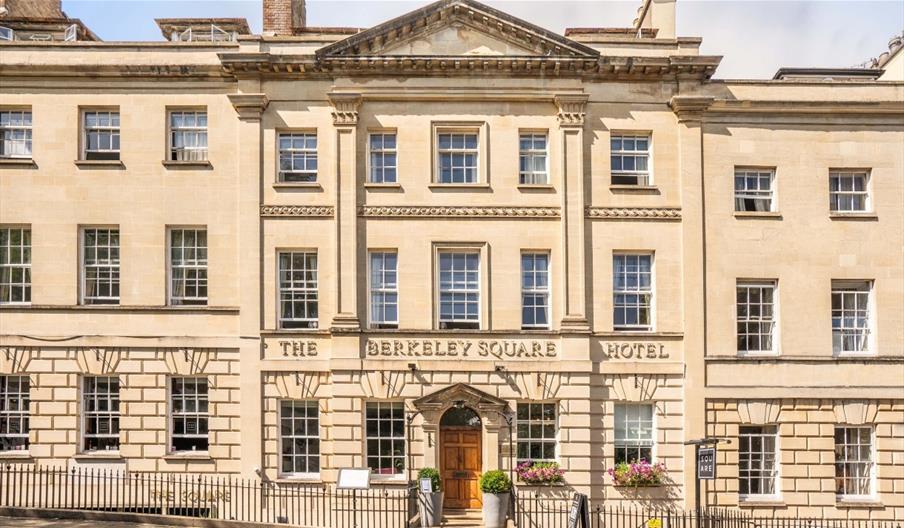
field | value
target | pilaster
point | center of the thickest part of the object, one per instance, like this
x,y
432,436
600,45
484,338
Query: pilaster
x,y
571,110
345,124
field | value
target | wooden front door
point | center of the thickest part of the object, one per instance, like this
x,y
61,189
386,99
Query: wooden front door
x,y
461,461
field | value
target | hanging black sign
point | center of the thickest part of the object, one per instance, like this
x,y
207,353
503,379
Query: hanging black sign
x,y
706,463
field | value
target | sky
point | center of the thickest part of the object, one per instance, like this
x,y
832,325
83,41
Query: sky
x,y
755,37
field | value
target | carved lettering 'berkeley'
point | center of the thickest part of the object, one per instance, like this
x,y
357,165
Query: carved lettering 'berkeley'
x,y
636,351
298,348
456,348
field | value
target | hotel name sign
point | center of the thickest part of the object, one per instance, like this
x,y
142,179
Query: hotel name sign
x,y
634,350
461,348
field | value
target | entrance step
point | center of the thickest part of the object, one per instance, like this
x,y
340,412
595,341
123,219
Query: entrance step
x,y
463,519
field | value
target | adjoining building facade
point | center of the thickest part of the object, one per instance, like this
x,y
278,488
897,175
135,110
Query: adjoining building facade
x,y
453,240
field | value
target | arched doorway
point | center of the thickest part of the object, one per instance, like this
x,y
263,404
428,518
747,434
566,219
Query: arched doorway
x,y
461,456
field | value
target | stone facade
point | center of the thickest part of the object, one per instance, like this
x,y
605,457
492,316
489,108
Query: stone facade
x,y
457,66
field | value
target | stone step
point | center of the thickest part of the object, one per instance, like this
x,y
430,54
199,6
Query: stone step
x,y
463,518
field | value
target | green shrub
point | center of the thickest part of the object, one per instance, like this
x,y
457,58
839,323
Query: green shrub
x,y
495,481
433,475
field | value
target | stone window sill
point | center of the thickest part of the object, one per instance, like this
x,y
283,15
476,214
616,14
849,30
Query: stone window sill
x,y
15,455
640,189
761,502
459,186
188,455
536,187
100,164
291,479
199,164
99,455
854,216
18,163
116,308
388,481
770,215
297,186
383,186
855,503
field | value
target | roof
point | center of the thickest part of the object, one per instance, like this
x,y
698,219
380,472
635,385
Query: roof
x,y
784,74
169,26
43,9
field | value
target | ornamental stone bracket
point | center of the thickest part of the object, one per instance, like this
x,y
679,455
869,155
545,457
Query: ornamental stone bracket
x,y
634,213
98,360
186,361
690,107
249,106
345,108
571,109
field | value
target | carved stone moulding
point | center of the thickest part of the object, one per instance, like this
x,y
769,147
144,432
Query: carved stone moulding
x,y
641,213
312,211
374,211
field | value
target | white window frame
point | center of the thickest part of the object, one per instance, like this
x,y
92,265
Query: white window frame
x,y
530,176
774,319
306,154
846,288
23,128
7,34
530,439
283,438
115,266
477,323
111,414
401,475
7,266
198,265
537,291
440,151
652,293
644,178
382,152
188,415
373,289
835,195
308,323
757,175
634,443
115,131
22,415
196,152
871,463
756,474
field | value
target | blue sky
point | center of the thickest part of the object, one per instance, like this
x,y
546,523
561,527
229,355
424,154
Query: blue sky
x,y
756,37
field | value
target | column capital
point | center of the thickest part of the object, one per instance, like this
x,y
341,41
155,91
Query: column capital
x,y
249,106
572,108
345,108
690,107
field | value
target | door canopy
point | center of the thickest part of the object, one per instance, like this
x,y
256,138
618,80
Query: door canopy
x,y
459,396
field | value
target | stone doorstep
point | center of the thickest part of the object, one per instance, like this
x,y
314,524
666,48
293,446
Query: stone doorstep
x,y
463,518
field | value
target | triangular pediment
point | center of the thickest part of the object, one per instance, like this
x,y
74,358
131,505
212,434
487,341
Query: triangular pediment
x,y
459,392
450,28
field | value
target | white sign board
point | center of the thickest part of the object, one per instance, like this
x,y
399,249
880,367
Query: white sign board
x,y
354,478
426,485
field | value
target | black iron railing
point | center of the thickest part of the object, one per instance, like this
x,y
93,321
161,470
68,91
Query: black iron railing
x,y
538,511
203,496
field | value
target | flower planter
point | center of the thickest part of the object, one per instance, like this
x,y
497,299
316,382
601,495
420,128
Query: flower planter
x,y
495,509
430,507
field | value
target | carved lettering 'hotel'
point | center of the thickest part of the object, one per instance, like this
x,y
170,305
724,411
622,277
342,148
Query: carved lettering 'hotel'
x,y
268,254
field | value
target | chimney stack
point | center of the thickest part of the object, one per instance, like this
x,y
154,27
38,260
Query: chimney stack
x,y
658,15
283,17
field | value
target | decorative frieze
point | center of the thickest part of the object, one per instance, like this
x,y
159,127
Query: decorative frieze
x,y
634,213
445,212
313,211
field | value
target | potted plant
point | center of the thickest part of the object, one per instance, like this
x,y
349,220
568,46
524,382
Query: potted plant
x,y
496,487
430,504
638,474
539,473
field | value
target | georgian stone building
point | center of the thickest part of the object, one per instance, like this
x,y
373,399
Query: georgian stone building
x,y
454,239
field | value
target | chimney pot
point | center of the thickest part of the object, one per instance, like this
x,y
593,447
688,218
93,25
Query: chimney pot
x,y
283,17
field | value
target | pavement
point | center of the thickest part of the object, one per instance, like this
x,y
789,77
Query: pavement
x,y
67,523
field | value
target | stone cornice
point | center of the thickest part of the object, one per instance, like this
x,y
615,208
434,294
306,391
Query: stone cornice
x,y
690,107
245,65
155,71
249,106
381,211
634,213
797,107
310,211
